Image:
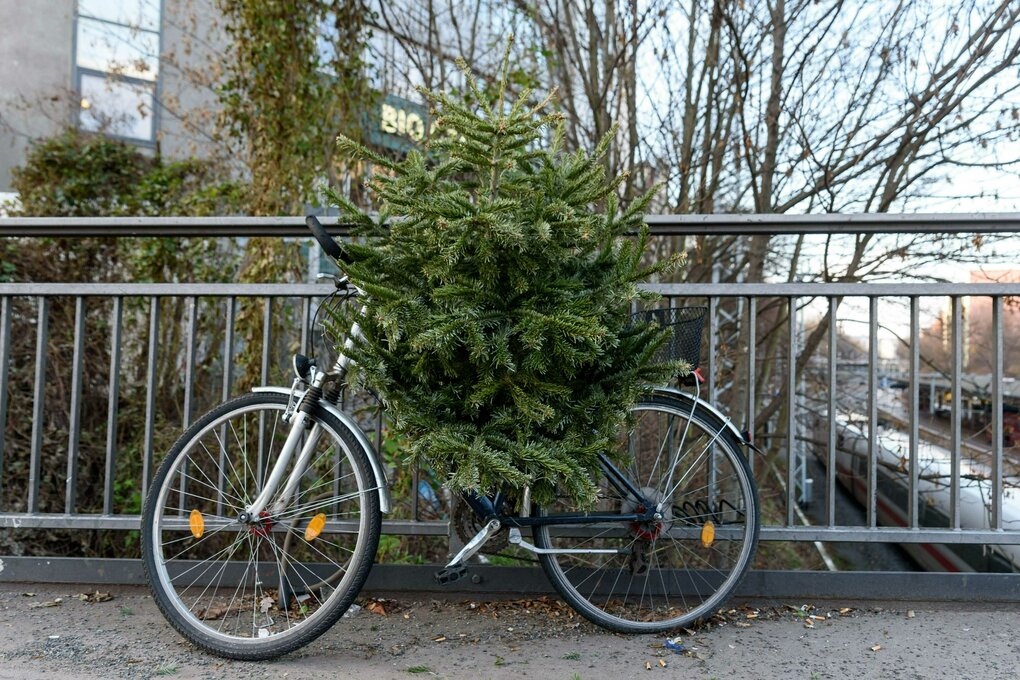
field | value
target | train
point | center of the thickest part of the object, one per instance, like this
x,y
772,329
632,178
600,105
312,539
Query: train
x,y
935,469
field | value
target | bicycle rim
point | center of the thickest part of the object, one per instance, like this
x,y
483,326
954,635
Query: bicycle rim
x,y
661,574
260,589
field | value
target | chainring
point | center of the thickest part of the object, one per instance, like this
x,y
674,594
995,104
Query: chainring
x,y
467,524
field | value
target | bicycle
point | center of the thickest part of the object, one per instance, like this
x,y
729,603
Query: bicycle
x,y
263,520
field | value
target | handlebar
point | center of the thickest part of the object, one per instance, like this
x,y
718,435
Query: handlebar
x,y
329,246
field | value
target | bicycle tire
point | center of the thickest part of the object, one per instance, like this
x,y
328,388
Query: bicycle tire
x,y
696,571
301,608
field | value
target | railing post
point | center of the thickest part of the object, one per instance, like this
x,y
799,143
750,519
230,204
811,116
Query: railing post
x,y
74,426
996,509
5,352
915,397
752,342
872,410
112,406
150,394
791,419
956,413
830,456
38,413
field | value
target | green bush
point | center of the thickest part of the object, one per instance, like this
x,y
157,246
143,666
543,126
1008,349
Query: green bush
x,y
82,175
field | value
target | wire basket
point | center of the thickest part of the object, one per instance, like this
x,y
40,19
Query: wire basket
x,y
686,324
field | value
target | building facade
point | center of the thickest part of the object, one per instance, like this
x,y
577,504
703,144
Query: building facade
x,y
145,71
136,70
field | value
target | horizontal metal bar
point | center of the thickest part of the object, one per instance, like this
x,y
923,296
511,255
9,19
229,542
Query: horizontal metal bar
x,y
689,290
685,290
808,585
133,522
865,223
851,534
169,289
665,225
890,535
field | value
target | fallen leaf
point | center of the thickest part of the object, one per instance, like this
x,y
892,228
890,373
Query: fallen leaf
x,y
48,603
211,613
94,597
875,648
376,608
266,604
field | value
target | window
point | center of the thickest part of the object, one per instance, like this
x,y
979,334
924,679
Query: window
x,y
117,67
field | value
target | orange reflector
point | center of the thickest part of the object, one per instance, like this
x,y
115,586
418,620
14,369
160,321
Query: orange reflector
x,y
708,534
315,527
197,523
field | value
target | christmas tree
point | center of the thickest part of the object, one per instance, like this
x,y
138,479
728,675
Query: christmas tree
x,y
500,273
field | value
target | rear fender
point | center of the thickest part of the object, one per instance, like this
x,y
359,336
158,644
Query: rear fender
x,y
674,393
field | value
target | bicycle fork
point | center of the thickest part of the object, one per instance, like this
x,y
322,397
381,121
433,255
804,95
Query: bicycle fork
x,y
298,426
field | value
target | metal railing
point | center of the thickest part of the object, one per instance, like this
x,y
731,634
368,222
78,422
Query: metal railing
x,y
151,390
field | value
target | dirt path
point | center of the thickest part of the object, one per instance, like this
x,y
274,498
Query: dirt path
x,y
125,637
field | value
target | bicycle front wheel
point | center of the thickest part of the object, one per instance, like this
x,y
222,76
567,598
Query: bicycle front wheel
x,y
259,589
643,577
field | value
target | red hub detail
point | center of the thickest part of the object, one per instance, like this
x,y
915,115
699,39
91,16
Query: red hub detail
x,y
263,526
646,531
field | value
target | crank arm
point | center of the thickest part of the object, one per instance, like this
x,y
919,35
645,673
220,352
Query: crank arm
x,y
475,544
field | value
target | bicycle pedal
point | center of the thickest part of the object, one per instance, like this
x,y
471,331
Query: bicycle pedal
x,y
448,575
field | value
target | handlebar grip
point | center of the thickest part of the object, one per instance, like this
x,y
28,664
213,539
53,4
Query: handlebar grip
x,y
329,246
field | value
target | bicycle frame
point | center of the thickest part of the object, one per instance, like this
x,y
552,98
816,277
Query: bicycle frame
x,y
485,508
492,508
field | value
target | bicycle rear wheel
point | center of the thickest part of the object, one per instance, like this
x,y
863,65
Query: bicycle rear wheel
x,y
258,590
659,575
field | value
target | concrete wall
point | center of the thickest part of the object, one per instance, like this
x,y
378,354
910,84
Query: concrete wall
x,y
35,75
193,46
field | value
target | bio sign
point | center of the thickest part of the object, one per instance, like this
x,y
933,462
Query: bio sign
x,y
398,124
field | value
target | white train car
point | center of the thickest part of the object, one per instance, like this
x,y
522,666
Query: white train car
x,y
935,470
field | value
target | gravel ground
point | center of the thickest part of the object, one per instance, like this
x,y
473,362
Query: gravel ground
x,y
404,637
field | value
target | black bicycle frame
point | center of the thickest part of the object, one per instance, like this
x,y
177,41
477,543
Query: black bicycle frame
x,y
487,508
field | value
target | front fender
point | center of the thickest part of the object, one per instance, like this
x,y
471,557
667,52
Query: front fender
x,y
674,393
373,457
